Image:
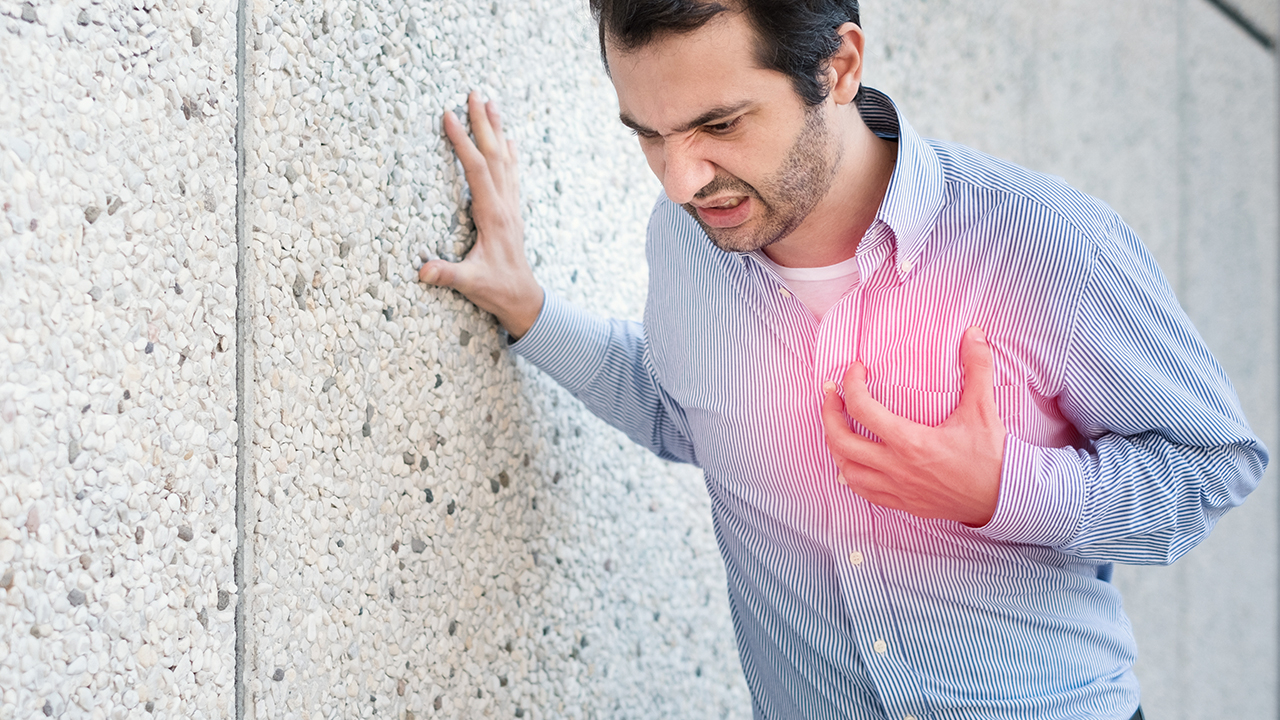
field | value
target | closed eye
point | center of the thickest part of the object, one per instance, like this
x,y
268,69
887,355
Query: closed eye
x,y
723,128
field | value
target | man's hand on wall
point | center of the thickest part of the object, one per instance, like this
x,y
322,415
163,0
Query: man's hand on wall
x,y
495,275
951,471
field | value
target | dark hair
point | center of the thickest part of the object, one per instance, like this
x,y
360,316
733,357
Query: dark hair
x,y
795,37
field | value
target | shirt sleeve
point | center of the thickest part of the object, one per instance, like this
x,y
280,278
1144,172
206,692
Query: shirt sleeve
x,y
606,365
1168,449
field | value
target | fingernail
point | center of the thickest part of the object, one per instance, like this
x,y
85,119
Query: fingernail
x,y
979,335
828,387
840,479
429,275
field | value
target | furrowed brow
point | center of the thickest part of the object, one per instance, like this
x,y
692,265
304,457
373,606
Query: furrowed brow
x,y
713,114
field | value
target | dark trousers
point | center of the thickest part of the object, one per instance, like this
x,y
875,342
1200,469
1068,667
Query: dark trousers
x,y
1138,715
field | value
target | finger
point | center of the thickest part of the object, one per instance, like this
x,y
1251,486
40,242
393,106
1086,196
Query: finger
x,y
473,161
979,370
844,443
443,273
481,127
864,408
495,122
870,484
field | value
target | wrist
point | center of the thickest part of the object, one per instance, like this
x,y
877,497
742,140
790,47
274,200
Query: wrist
x,y
522,312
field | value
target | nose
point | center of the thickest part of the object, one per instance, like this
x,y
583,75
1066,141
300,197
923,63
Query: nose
x,y
685,170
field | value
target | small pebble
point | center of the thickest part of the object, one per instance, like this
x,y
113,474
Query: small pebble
x,y
48,707
408,458
417,545
278,675
430,495
328,384
464,337
29,14
196,37
224,599
92,212
76,598
73,451
185,533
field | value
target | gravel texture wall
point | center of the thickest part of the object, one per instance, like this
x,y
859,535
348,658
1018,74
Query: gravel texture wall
x,y
425,527
439,529
117,300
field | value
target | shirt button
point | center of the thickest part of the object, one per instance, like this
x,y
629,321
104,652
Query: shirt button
x,y
909,717
881,647
855,558
784,292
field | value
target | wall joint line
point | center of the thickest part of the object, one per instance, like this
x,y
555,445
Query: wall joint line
x,y
243,329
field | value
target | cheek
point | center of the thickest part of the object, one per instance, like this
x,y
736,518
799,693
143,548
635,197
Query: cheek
x,y
654,156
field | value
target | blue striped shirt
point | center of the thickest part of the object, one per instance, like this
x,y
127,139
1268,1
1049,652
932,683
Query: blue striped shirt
x,y
1126,440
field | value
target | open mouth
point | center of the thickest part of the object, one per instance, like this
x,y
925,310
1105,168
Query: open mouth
x,y
726,213
727,204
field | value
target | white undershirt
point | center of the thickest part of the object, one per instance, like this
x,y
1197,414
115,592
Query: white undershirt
x,y
819,287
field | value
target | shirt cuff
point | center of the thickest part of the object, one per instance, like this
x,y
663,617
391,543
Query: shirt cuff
x,y
1041,496
565,342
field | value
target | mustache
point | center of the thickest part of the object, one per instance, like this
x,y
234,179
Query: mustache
x,y
722,183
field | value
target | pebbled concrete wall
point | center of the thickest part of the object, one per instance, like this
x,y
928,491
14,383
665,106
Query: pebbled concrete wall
x,y
429,528
438,529
117,333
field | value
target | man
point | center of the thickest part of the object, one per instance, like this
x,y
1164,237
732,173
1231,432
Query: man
x,y
934,395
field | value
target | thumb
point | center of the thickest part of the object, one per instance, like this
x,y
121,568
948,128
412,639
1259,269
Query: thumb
x,y
979,369
442,273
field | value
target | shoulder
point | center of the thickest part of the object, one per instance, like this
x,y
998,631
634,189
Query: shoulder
x,y
1038,200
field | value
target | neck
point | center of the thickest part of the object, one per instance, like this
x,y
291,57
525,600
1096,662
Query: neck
x,y
834,228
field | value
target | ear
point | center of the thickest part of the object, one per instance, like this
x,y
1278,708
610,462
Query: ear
x,y
844,71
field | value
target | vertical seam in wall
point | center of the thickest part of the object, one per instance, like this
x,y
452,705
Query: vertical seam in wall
x,y
242,343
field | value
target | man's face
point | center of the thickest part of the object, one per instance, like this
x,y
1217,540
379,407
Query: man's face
x,y
731,142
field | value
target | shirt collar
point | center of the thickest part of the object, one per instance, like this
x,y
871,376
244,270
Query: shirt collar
x,y
916,190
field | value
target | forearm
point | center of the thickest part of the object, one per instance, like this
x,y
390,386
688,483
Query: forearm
x,y
1138,500
602,362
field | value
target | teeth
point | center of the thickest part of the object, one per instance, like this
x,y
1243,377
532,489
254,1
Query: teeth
x,y
731,204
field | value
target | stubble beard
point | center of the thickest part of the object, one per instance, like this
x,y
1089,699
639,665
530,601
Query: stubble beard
x,y
786,198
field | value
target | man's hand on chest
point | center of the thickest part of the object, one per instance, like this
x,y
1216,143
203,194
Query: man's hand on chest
x,y
951,471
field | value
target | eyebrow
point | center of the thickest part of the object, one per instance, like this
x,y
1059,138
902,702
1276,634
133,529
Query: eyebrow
x,y
714,113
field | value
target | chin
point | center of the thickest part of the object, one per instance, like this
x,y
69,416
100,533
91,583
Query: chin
x,y
755,234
